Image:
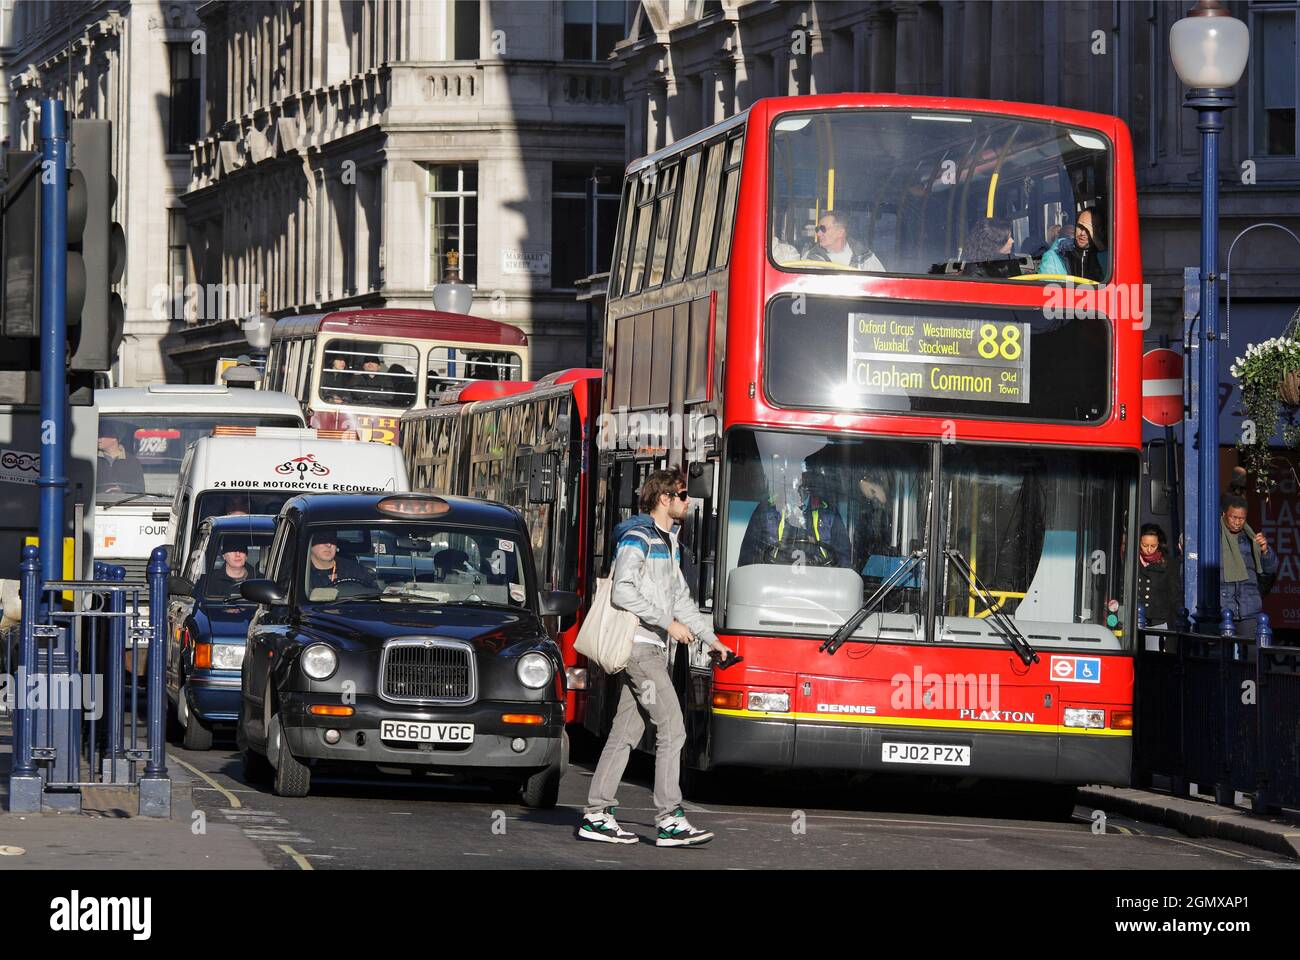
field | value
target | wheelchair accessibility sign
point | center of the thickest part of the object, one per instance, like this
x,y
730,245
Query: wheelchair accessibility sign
x,y
1076,669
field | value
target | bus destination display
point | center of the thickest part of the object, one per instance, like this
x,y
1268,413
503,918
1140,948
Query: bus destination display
x,y
910,356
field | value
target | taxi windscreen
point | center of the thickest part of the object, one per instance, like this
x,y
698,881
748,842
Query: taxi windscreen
x,y
414,561
233,557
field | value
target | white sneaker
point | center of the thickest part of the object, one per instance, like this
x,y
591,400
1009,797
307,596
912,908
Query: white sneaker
x,y
603,827
676,831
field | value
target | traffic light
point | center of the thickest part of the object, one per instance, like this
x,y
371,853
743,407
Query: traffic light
x,y
95,334
96,256
20,315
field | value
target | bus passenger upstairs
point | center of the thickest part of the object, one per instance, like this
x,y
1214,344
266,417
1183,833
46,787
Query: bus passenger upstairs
x,y
835,246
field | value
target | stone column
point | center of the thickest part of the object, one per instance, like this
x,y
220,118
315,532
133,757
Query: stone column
x,y
906,67
974,45
881,28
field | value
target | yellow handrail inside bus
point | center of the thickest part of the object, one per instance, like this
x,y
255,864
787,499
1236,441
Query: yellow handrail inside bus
x,y
1055,276
1001,595
993,192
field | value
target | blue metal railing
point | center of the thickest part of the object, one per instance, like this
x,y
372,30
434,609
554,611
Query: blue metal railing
x,y
103,619
1219,711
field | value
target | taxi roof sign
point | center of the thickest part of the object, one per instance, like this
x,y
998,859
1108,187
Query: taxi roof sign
x,y
413,506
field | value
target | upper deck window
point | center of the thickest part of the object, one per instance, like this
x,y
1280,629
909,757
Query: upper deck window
x,y
366,374
939,194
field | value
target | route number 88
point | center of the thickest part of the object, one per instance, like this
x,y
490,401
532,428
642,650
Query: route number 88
x,y
1008,349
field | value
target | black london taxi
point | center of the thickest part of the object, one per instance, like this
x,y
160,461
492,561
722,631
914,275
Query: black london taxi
x,y
403,632
207,623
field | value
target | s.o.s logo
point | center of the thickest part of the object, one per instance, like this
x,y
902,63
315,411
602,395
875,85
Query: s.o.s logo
x,y
303,466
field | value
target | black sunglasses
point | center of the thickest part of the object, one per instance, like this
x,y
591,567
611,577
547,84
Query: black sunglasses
x,y
680,495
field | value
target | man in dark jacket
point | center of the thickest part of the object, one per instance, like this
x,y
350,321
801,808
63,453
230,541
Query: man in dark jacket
x,y
1247,560
116,471
815,524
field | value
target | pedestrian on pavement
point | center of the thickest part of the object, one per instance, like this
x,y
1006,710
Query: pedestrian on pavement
x,y
1249,567
1158,589
648,582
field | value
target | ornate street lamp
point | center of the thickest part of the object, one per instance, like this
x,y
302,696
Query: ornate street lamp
x,y
452,296
1209,49
257,328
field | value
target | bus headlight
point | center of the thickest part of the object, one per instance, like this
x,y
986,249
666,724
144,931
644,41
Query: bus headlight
x,y
534,671
1080,717
319,661
769,702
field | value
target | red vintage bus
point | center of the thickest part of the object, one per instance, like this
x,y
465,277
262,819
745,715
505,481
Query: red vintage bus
x,y
530,445
896,342
359,369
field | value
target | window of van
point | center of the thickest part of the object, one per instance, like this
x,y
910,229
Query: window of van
x,y
157,445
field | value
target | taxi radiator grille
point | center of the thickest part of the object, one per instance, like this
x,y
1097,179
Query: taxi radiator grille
x,y
428,672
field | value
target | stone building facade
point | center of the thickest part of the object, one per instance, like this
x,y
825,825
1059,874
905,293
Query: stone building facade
x,y
688,63
127,62
353,152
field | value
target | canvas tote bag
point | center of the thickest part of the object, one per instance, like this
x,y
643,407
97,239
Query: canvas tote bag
x,y
606,634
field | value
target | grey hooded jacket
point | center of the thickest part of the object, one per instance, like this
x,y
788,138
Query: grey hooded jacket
x,y
648,582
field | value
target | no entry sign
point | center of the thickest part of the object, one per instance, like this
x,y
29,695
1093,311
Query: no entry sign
x,y
1162,387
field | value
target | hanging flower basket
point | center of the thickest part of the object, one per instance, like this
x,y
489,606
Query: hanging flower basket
x,y
1269,377
1288,388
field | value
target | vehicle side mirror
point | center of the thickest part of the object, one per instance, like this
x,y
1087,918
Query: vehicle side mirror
x,y
179,586
558,603
261,591
699,483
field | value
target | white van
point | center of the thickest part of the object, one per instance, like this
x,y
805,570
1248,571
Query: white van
x,y
255,470
154,425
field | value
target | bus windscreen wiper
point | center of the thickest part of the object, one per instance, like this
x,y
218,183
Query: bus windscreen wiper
x,y
847,629
1007,628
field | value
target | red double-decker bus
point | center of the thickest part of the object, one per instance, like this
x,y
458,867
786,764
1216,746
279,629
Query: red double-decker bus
x,y
359,369
530,445
896,342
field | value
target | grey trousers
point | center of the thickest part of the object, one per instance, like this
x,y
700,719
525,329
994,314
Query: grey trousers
x,y
647,691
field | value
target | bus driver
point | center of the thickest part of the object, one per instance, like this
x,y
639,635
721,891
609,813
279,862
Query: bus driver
x,y
818,523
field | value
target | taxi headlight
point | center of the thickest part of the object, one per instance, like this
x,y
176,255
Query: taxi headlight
x,y
227,656
534,671
319,661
